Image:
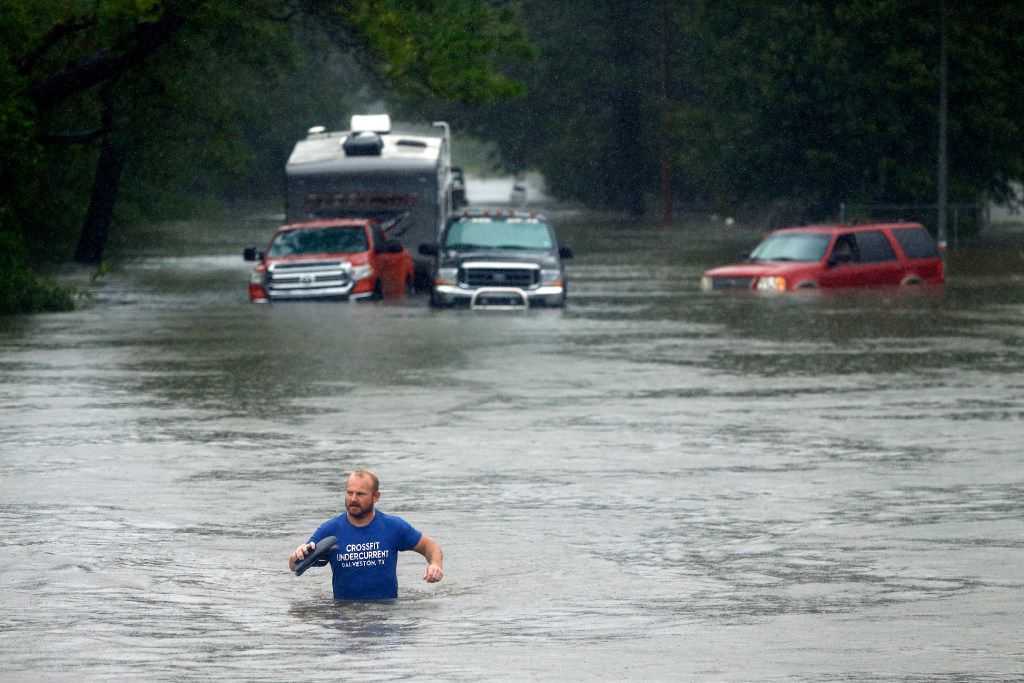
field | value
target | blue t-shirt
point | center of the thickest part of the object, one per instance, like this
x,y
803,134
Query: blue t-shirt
x,y
365,562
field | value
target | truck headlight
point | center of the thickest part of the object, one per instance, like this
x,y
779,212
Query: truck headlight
x,y
447,276
551,278
362,272
770,283
257,277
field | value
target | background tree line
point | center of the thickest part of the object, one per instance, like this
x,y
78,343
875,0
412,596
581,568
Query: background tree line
x,y
119,111
809,102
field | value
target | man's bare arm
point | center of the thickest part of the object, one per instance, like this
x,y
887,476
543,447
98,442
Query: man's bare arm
x,y
428,548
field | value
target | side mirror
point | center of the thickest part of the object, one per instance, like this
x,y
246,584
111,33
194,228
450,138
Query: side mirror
x,y
251,254
565,252
428,249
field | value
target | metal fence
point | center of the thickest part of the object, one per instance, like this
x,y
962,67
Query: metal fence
x,y
962,220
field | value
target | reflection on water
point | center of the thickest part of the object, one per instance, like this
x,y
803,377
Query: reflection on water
x,y
653,483
362,628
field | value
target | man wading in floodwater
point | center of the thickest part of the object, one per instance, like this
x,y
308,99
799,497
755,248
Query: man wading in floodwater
x,y
365,562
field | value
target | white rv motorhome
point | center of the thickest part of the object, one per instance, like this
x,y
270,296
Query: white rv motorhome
x,y
372,171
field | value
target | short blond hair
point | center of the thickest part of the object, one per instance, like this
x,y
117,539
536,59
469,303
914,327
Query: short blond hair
x,y
371,475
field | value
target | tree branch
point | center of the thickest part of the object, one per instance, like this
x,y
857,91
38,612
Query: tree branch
x,y
83,137
105,64
52,37
287,12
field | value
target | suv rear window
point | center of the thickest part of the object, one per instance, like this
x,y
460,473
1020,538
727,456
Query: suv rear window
x,y
874,247
916,243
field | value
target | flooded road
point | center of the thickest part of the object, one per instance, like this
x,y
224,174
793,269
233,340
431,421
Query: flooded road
x,y
652,484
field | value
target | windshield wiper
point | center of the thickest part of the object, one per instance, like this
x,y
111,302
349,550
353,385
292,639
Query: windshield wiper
x,y
464,246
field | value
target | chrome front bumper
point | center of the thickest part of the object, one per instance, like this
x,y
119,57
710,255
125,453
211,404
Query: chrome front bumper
x,y
502,298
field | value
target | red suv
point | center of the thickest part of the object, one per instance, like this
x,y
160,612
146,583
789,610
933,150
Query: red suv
x,y
829,256
345,258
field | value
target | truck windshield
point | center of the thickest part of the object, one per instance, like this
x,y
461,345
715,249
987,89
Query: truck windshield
x,y
472,234
318,241
808,246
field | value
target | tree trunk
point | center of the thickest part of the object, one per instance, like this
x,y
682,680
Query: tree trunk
x,y
105,183
632,183
664,120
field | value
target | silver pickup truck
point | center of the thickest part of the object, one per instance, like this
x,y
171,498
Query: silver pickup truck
x,y
498,260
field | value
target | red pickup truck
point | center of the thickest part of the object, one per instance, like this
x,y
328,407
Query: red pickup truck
x,y
343,258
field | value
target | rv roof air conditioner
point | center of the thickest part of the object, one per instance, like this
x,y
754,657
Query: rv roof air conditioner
x,y
365,144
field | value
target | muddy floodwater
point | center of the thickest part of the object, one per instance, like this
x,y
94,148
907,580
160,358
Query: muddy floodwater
x,y
651,484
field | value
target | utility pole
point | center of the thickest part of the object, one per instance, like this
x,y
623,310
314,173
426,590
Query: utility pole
x,y
664,156
943,169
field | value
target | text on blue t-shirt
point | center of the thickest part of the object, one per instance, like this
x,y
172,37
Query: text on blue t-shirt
x,y
365,562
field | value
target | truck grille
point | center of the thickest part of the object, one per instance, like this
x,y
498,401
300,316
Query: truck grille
x,y
499,275
307,276
731,282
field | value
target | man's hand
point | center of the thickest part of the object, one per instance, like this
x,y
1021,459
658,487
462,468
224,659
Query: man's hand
x,y
433,574
299,554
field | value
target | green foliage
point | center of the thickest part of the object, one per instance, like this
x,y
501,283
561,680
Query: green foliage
x,y
183,116
886,128
475,156
439,48
20,290
205,98
837,101
585,120
101,271
812,102
18,153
